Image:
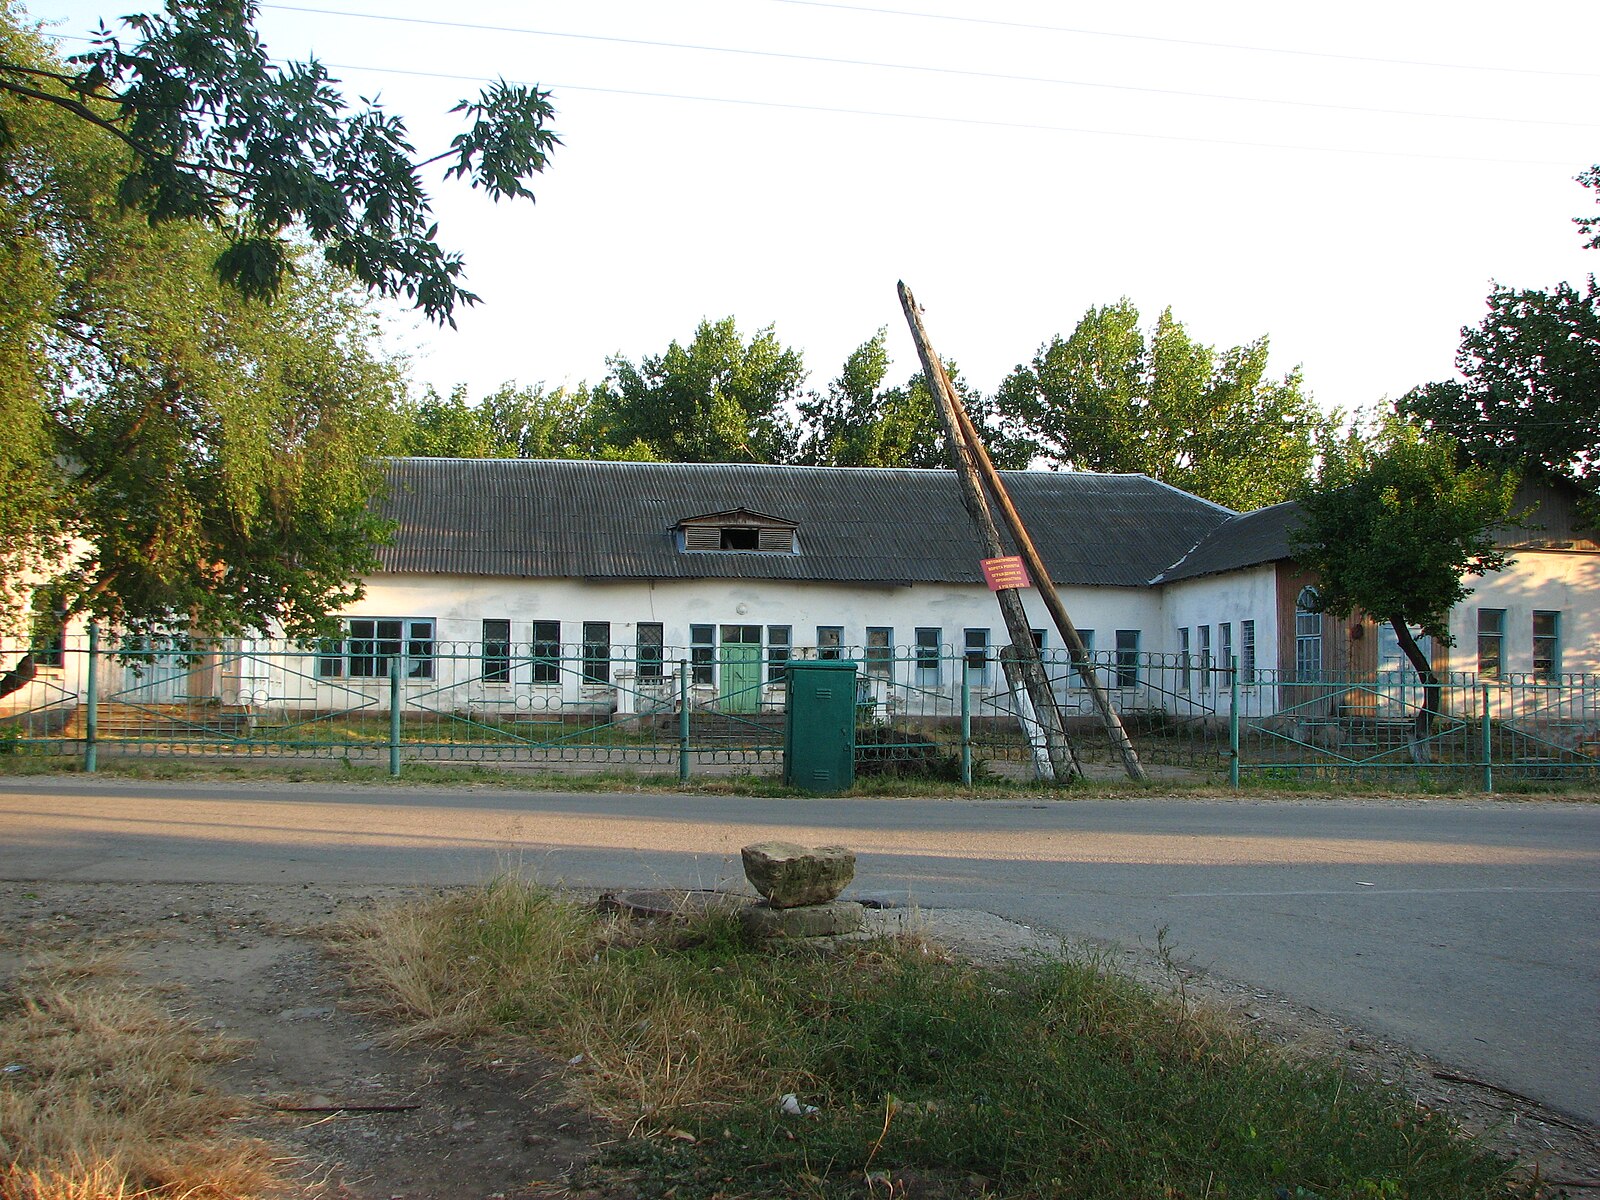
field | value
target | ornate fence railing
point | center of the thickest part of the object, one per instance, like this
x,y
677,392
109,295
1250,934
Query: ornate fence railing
x,y
923,711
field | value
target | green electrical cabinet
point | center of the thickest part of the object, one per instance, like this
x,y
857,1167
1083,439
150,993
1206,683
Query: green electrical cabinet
x,y
819,729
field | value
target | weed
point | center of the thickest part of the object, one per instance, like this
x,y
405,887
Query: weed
x,y
1061,1079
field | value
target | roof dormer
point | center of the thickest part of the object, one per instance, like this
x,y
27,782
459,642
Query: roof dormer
x,y
739,529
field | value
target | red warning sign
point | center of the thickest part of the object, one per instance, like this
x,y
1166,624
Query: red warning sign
x,y
1004,573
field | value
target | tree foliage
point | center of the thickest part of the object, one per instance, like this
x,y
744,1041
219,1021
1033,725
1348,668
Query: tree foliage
x,y
1590,226
1108,398
859,423
213,131
1395,523
186,458
512,422
1530,393
718,399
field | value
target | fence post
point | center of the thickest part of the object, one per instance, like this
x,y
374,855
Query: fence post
x,y
683,720
91,699
966,722
1488,744
1233,723
394,716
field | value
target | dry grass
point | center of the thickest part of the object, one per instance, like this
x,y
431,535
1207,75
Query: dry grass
x,y
1056,1080
104,1095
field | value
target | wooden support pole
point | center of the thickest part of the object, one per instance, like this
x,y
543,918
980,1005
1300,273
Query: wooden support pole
x,y
964,457
1121,744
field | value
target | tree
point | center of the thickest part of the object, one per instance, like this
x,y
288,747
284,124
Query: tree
x,y
718,399
1530,394
1590,226
512,422
1393,526
1108,399
859,423
177,456
214,132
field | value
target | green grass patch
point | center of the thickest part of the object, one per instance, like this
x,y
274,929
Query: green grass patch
x,y
923,1071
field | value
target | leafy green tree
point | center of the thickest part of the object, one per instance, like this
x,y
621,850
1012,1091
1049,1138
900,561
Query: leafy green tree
x,y
512,422
1393,526
1530,393
1109,399
177,456
1590,226
718,399
859,423
212,131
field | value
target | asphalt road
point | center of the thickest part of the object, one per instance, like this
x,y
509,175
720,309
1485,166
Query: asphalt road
x,y
1466,929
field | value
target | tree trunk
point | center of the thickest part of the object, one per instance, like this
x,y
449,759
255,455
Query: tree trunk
x,y
1432,692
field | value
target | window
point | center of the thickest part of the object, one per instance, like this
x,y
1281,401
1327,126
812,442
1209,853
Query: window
x,y
1205,655
830,641
1185,672
496,650
703,652
546,651
1546,644
597,651
372,643
1307,635
1225,645
648,652
1491,641
1247,651
880,651
780,643
928,647
977,655
1127,658
738,530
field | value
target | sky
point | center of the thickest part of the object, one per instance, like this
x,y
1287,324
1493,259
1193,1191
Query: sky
x,y
1346,181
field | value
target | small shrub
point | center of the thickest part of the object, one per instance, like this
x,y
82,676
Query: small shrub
x,y
882,752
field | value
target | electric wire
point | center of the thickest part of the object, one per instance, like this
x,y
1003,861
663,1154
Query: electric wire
x,y
960,72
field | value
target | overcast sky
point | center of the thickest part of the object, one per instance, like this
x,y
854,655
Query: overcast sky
x,y
1346,180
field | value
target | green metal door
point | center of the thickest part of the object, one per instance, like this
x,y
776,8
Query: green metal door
x,y
739,679
819,744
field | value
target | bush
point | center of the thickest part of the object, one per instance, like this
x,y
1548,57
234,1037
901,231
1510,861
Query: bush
x,y
887,753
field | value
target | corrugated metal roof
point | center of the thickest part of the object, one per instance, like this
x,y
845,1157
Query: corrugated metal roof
x,y
609,520
1247,540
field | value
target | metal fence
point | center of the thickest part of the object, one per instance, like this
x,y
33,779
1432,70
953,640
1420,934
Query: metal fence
x,y
926,711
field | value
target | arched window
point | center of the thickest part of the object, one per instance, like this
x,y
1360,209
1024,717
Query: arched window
x,y
1307,635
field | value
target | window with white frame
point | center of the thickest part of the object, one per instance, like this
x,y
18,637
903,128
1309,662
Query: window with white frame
x,y
649,649
1204,632
1308,635
1225,646
976,650
597,651
780,639
1546,644
370,644
1491,642
496,650
1185,671
1247,651
830,642
546,651
879,657
1127,658
703,653
929,644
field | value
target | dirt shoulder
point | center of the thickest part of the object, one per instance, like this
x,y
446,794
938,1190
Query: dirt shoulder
x,y
377,1122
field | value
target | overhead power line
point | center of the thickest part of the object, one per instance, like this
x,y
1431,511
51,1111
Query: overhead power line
x,y
1172,41
921,68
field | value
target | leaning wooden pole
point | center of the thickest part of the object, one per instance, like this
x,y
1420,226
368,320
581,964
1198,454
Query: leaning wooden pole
x,y
964,456
1121,744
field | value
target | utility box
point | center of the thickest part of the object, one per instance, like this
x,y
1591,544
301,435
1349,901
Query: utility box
x,y
819,728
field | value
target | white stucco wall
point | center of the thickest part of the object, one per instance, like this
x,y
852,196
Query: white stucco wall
x,y
1209,603
458,605
1562,581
